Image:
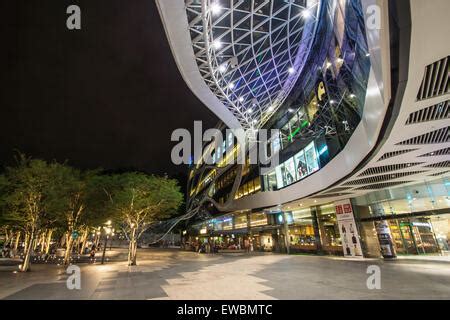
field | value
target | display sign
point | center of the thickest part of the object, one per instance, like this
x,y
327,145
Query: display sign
x,y
385,239
347,228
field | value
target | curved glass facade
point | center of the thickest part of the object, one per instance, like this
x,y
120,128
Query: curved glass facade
x,y
327,102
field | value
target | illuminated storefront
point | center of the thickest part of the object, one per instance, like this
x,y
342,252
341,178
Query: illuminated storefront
x,y
309,230
417,217
294,169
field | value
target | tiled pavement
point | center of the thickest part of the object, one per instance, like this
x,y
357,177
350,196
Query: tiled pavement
x,y
172,274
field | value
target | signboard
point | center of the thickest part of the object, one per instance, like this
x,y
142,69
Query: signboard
x,y
347,229
385,239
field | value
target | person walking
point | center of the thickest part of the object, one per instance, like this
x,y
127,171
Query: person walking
x,y
247,245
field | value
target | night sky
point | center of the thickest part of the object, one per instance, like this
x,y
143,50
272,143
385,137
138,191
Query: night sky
x,y
108,95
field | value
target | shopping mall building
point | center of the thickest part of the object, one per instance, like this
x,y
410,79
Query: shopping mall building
x,y
359,93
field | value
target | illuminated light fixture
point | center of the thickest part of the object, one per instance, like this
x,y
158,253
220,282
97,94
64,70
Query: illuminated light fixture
x,y
332,102
306,14
215,8
352,96
255,121
217,44
250,110
222,68
329,64
270,109
241,99
367,54
231,85
291,70
291,110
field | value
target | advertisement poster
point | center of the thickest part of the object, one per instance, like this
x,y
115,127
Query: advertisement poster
x,y
347,228
385,239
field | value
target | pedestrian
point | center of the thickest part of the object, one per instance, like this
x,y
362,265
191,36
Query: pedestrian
x,y
92,253
247,245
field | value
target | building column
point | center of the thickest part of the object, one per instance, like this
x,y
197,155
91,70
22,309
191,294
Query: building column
x,y
315,221
287,241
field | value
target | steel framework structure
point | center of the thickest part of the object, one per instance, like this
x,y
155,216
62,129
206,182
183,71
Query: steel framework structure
x,y
251,53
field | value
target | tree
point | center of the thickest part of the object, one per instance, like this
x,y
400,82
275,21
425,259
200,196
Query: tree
x,y
75,187
30,198
137,200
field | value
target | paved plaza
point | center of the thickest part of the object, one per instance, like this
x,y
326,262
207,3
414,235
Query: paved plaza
x,y
174,274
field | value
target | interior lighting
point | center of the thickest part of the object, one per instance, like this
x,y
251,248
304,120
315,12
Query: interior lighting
x,y
217,44
306,14
216,8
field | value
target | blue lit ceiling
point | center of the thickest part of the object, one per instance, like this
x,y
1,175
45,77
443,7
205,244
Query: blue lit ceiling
x,y
250,53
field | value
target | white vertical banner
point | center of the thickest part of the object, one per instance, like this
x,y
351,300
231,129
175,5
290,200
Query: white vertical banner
x,y
347,229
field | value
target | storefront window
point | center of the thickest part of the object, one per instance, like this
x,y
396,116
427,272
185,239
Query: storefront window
x,y
329,227
299,216
311,158
218,224
240,221
271,181
290,176
227,223
258,219
300,162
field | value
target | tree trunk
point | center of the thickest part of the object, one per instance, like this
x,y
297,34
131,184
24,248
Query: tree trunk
x,y
49,239
7,237
42,240
68,252
27,240
62,241
84,240
97,240
134,256
26,261
16,245
132,249
35,242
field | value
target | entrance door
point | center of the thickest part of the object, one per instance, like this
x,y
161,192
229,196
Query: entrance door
x,y
408,238
424,236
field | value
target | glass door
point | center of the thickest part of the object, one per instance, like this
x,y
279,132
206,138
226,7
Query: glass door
x,y
408,238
